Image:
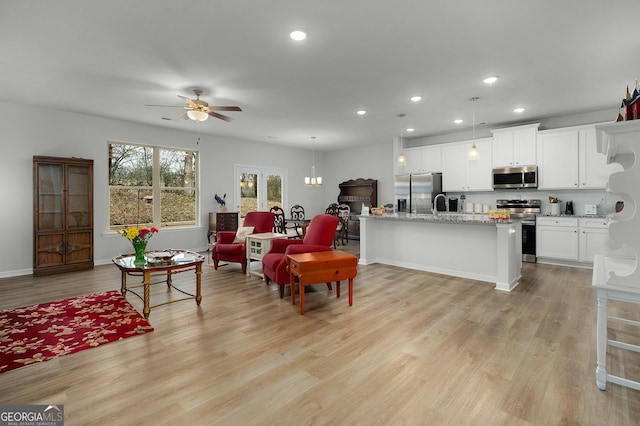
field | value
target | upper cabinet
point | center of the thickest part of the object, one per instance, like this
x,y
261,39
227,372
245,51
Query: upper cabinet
x,y
459,173
423,159
558,159
515,146
593,171
568,159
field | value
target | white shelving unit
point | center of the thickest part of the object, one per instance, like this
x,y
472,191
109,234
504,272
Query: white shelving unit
x,y
616,275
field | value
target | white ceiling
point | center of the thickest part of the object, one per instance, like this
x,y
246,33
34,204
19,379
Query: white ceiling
x,y
110,58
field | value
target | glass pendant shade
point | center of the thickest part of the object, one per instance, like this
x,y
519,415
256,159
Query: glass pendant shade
x,y
313,180
402,160
473,152
196,115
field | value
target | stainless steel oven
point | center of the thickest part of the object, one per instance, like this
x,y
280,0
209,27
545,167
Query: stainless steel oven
x,y
526,211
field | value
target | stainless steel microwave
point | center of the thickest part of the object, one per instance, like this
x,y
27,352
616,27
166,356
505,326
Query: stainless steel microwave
x,y
515,177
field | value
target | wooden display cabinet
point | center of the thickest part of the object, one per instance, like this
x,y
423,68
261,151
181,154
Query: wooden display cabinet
x,y
355,193
62,214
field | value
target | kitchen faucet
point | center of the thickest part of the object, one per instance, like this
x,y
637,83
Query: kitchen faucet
x,y
435,203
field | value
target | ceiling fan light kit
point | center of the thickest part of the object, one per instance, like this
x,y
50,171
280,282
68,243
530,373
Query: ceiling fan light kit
x,y
197,115
199,110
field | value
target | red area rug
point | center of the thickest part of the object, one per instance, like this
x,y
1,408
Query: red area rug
x,y
41,332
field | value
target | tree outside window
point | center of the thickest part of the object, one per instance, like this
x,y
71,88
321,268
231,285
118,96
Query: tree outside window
x,y
152,186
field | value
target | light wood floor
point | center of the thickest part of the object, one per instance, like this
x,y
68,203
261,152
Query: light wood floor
x,y
415,348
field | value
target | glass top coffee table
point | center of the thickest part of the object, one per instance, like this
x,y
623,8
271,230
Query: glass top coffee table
x,y
160,263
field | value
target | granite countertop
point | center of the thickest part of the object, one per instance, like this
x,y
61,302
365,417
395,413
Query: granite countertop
x,y
479,219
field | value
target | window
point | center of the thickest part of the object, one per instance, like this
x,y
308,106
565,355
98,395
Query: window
x,y
259,189
153,186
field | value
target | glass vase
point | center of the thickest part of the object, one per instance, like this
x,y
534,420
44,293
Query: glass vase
x,y
139,260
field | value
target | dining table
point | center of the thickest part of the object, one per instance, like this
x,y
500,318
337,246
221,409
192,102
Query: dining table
x,y
301,223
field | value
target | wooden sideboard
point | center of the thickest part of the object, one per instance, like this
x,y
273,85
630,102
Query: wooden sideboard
x,y
355,193
227,221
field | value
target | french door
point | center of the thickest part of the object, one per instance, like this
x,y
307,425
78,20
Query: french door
x,y
259,188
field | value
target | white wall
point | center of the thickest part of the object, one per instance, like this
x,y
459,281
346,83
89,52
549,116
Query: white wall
x,y
374,162
28,131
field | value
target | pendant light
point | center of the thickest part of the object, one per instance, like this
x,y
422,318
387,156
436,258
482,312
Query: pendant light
x,y
313,180
401,160
473,152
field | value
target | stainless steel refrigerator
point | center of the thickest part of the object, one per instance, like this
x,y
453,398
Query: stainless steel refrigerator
x,y
415,192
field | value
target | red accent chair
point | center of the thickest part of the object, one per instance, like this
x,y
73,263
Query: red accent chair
x,y
319,237
226,250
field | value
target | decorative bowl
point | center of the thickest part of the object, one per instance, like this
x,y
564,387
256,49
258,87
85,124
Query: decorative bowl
x,y
161,257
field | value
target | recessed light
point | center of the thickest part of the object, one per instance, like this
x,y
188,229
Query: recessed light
x,y
490,80
410,129
361,112
519,110
416,98
298,35
458,121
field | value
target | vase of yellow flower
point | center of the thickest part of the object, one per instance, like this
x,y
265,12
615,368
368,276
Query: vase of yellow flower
x,y
139,238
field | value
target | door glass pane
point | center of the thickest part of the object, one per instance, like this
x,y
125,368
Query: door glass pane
x,y
50,197
248,193
274,190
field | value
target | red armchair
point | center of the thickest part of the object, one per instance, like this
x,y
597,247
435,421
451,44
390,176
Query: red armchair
x,y
319,237
225,249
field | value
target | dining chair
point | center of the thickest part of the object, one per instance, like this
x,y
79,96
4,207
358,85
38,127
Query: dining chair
x,y
279,223
344,211
297,213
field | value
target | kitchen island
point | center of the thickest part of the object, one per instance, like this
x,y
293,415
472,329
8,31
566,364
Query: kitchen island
x,y
462,245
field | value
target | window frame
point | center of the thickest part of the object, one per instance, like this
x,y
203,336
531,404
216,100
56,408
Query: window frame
x,y
156,187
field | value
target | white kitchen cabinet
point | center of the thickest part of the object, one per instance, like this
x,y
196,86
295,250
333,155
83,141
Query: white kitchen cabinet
x,y
557,238
423,159
568,159
593,168
454,173
515,146
570,238
558,159
459,173
593,234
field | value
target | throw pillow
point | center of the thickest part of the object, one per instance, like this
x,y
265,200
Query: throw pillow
x,y
241,234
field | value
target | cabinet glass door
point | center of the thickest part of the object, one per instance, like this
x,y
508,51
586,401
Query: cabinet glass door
x,y
50,208
79,203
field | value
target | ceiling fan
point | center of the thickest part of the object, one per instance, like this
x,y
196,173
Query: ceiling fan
x,y
199,110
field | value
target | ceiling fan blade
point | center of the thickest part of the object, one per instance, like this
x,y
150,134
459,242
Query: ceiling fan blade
x,y
181,118
188,101
220,116
224,108
168,106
